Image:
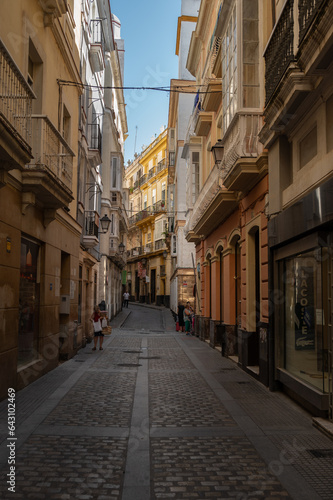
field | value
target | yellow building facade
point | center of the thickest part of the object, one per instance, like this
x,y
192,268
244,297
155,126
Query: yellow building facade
x,y
148,255
39,236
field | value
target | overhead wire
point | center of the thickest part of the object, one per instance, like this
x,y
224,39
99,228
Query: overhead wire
x,y
186,89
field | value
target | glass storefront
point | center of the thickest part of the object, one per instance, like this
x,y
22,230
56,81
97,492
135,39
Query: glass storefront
x,y
29,302
303,317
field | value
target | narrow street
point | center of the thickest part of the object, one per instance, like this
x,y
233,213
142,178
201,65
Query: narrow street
x,y
159,415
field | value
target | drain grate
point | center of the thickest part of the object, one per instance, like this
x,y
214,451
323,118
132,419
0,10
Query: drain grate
x,y
242,382
133,352
321,453
150,357
128,364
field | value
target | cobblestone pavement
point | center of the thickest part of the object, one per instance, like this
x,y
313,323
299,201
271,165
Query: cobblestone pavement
x,y
159,415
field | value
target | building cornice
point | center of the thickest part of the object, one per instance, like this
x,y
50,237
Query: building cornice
x,y
181,19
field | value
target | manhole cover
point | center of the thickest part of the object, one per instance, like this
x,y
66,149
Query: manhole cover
x,y
321,453
128,364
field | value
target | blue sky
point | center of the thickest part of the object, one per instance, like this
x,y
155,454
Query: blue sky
x,y
149,30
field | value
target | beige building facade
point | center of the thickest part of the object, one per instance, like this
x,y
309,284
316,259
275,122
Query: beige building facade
x,y
148,241
38,184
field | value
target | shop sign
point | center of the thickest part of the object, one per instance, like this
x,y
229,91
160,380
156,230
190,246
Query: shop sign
x,y
304,310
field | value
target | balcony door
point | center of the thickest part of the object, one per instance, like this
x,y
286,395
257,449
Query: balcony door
x,y
153,285
29,299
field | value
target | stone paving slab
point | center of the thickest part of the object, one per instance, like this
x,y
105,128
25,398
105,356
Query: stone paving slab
x,y
68,467
108,400
202,467
183,399
179,421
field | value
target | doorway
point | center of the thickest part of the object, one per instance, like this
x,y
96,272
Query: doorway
x,y
153,285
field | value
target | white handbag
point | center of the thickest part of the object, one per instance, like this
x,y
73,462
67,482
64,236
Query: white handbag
x,y
97,326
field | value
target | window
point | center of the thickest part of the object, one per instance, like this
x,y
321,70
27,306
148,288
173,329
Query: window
x,y
35,77
163,192
153,197
173,245
229,71
66,124
80,297
145,201
195,176
112,224
114,172
308,147
171,158
114,197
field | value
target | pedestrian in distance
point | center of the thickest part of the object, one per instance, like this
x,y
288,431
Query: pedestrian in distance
x,y
180,314
98,334
126,297
187,318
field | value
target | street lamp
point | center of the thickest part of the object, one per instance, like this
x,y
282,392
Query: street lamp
x,y
218,152
121,248
105,223
165,254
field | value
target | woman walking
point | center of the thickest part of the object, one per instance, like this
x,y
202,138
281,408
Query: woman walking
x,y
96,319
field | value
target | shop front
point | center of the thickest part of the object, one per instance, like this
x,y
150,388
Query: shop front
x,y
301,240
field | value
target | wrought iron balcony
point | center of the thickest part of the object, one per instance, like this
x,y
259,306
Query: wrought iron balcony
x,y
308,10
143,179
97,45
49,174
94,138
143,214
160,245
15,114
159,206
161,166
90,230
280,50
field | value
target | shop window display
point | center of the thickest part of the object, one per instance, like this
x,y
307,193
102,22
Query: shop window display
x,y
303,331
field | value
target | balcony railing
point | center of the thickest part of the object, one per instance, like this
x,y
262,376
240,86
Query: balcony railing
x,y
280,50
50,150
160,244
308,10
97,34
143,179
143,214
15,97
91,223
161,166
94,136
159,206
